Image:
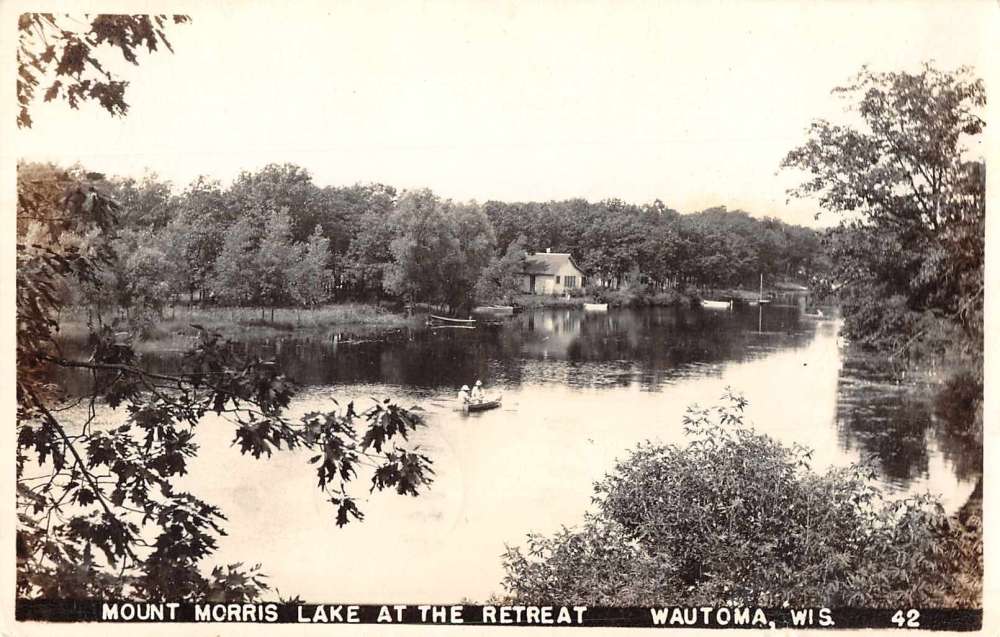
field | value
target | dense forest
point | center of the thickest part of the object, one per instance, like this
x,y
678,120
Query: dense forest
x,y
275,238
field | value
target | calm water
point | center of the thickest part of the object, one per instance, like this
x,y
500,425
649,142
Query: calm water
x,y
579,391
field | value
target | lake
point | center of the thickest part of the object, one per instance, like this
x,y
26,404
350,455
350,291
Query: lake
x,y
579,390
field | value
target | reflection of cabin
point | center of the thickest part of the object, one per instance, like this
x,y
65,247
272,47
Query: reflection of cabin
x,y
550,273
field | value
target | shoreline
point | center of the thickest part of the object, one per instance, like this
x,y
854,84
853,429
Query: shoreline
x,y
628,298
247,321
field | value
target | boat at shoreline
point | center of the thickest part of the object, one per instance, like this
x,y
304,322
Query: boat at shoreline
x,y
595,307
494,310
448,319
439,322
717,305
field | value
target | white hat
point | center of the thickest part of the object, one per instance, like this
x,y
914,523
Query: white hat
x,y
478,383
465,388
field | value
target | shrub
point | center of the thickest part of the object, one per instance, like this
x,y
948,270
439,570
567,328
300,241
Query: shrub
x,y
737,518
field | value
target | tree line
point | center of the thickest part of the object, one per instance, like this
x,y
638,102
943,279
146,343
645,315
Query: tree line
x,y
275,238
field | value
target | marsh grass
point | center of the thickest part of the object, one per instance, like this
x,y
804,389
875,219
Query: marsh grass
x,y
248,322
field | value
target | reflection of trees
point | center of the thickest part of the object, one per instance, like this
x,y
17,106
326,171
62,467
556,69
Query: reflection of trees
x,y
655,346
955,425
963,453
649,347
885,424
893,422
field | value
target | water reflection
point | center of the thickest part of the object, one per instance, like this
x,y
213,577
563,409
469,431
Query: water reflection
x,y
579,391
896,424
884,420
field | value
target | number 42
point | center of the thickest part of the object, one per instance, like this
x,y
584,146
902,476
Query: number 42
x,y
910,620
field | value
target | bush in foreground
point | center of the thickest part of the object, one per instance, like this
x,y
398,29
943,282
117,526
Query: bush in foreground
x,y
737,518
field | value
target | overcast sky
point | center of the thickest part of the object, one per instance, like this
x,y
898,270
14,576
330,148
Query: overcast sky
x,y
691,103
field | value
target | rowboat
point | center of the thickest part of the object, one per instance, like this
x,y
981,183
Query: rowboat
x,y
717,305
485,405
452,321
495,310
816,314
595,307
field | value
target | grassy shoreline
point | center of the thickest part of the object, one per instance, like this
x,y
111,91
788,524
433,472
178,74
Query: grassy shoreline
x,y
248,321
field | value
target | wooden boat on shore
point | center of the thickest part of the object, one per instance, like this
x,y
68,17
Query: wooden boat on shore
x,y
439,322
717,305
595,307
451,321
817,314
495,310
485,405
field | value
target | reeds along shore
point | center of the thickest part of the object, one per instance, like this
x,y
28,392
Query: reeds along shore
x,y
250,321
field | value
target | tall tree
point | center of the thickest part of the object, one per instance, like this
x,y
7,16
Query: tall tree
x,y
369,256
501,278
147,203
275,259
913,200
236,280
198,231
276,187
310,278
345,210
440,249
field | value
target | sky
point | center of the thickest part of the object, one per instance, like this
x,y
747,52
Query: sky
x,y
691,103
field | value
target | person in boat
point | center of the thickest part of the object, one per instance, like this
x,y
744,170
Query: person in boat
x,y
477,392
463,395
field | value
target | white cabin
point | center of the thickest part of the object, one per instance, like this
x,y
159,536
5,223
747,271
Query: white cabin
x,y
551,273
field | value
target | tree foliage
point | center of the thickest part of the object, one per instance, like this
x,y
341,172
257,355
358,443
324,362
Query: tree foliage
x,y
99,515
59,53
440,249
501,278
309,275
736,518
910,250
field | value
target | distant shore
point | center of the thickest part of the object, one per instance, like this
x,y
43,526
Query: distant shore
x,y
258,322
614,298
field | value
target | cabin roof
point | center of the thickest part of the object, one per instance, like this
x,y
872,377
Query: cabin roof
x,y
548,262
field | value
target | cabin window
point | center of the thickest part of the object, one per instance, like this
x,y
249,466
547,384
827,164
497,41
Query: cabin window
x,y
557,279
570,281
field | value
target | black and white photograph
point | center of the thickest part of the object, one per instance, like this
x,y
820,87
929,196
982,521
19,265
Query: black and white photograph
x,y
479,316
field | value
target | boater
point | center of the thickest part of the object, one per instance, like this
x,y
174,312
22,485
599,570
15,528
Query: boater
x,y
463,395
477,392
